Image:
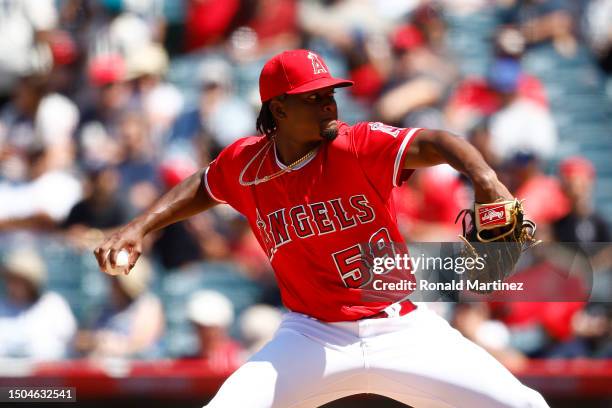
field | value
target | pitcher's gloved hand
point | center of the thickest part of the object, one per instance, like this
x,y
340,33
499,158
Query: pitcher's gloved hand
x,y
497,233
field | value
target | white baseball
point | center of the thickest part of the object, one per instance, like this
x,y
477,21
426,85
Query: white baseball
x,y
121,261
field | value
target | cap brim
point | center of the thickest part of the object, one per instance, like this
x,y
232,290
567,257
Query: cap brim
x,y
321,83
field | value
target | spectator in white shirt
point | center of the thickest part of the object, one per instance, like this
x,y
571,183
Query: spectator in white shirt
x,y
23,23
44,201
34,323
520,125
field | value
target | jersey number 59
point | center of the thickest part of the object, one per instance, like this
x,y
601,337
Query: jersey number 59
x,y
354,263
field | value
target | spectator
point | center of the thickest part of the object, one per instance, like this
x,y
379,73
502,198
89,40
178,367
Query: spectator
x,y
543,21
131,322
519,125
274,24
509,43
219,234
220,115
354,32
44,201
138,161
103,110
591,328
418,84
257,326
34,323
177,245
599,31
428,18
224,116
340,23
543,197
473,320
137,23
583,227
24,22
159,101
247,253
211,313
101,207
36,119
214,233
480,138
475,99
541,316
582,224
428,205
127,32
209,22
466,7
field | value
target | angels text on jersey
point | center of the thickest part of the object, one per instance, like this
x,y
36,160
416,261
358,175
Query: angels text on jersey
x,y
302,221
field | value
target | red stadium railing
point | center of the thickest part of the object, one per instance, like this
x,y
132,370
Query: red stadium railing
x,y
561,378
193,379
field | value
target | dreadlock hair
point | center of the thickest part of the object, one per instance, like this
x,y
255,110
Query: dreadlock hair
x,y
266,125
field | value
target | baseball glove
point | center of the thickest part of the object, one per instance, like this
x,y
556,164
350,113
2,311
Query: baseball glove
x,y
497,233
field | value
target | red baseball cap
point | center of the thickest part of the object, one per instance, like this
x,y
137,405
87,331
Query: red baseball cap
x,y
407,38
577,166
106,69
294,72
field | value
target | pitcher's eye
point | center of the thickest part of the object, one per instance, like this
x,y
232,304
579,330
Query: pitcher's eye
x,y
317,97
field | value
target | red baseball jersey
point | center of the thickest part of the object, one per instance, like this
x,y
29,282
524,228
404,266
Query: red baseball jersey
x,y
317,221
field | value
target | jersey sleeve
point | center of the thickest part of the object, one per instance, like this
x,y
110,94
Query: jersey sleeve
x,y
220,179
381,151
213,181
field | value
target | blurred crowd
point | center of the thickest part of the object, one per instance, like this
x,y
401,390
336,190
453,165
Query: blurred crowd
x,y
105,105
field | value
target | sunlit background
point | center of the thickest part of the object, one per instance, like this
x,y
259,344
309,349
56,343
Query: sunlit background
x,y
105,105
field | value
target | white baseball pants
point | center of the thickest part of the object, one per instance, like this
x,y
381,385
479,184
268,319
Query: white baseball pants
x,y
417,359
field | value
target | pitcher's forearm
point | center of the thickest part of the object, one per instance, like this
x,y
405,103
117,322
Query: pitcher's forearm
x,y
463,157
183,201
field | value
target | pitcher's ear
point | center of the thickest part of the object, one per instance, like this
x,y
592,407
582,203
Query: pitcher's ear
x,y
278,109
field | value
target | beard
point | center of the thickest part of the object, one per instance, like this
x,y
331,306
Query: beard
x,y
329,133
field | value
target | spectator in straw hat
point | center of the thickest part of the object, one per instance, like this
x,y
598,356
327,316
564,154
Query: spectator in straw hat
x,y
211,313
131,323
34,323
160,101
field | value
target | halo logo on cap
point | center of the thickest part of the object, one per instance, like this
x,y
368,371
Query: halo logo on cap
x,y
317,67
